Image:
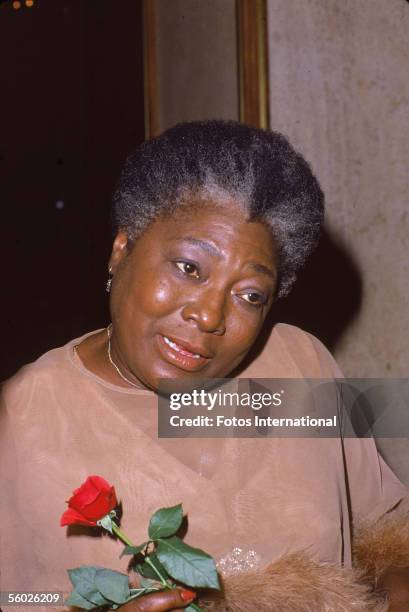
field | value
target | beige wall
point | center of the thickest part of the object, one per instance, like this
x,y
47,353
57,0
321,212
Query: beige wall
x,y
339,88
197,60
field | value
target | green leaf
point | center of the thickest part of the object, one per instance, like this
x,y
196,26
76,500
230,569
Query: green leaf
x,y
75,599
84,572
145,570
133,550
191,566
83,580
112,585
165,522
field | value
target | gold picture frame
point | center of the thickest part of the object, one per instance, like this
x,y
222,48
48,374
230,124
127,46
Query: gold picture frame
x,y
249,92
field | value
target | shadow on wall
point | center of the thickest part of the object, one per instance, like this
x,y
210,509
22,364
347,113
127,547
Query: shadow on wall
x,y
327,296
326,299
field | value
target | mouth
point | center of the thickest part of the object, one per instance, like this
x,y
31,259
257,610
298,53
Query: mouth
x,y
182,354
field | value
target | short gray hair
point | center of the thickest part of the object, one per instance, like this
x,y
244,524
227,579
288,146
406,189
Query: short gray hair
x,y
259,169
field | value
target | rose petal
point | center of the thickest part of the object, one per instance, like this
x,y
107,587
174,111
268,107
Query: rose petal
x,y
90,490
102,505
93,500
72,517
85,494
100,483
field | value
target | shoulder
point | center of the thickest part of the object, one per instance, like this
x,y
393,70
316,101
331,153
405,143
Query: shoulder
x,y
311,348
47,366
36,385
289,351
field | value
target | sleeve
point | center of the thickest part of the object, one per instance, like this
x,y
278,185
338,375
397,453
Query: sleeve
x,y
380,511
10,548
379,502
16,536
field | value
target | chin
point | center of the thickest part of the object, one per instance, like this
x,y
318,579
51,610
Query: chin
x,y
175,380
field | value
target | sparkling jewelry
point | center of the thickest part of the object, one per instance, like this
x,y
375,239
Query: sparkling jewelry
x,y
109,334
239,560
109,281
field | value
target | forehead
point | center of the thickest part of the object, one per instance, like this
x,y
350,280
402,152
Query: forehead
x,y
224,223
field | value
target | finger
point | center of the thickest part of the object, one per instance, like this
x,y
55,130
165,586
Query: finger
x,y
160,602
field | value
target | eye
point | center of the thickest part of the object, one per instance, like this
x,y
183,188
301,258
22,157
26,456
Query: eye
x,y
255,299
188,268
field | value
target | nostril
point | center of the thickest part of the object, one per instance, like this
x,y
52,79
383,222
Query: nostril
x,y
207,315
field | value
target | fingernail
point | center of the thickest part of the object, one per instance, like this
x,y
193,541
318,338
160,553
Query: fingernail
x,y
187,595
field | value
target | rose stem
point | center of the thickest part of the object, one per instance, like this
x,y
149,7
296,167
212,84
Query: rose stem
x,y
128,542
120,534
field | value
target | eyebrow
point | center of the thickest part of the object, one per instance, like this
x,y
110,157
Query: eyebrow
x,y
264,270
212,250
203,244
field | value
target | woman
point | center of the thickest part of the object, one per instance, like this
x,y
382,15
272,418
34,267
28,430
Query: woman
x,y
213,221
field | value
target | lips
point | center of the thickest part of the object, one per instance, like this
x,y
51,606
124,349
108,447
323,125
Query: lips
x,y
182,353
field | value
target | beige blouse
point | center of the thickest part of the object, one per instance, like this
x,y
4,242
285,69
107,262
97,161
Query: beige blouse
x,y
248,501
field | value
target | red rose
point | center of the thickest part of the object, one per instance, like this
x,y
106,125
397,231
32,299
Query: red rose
x,y
94,499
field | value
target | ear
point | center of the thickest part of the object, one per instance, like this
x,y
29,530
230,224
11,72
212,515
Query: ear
x,y
120,249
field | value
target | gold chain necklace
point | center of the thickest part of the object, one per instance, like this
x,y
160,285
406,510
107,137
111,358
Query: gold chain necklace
x,y
109,334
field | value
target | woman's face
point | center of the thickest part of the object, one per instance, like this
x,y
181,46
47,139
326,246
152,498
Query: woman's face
x,y
189,299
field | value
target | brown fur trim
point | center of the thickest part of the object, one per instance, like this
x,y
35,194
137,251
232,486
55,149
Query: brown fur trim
x,y
295,583
376,547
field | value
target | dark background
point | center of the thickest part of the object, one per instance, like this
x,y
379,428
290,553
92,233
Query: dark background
x,y
71,110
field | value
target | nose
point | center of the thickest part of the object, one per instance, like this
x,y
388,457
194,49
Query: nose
x,y
207,310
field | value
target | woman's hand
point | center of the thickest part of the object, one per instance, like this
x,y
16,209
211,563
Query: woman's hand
x,y
395,582
173,599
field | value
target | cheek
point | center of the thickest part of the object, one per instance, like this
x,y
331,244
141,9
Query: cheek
x,y
243,331
156,297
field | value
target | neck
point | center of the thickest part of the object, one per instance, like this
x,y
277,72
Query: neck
x,y
114,363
